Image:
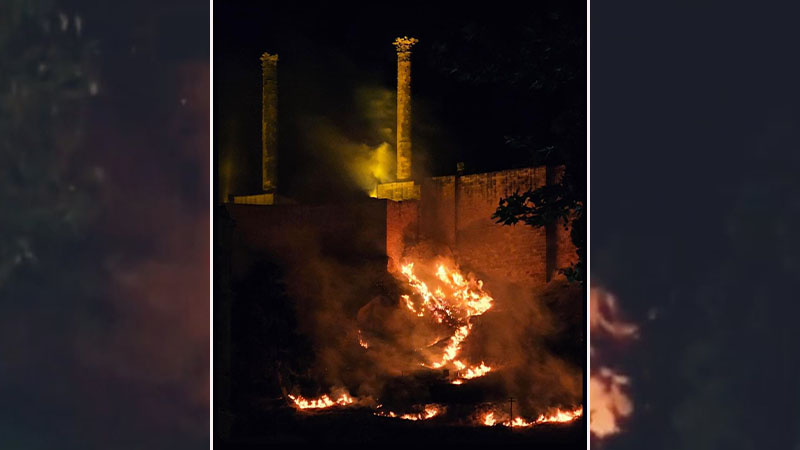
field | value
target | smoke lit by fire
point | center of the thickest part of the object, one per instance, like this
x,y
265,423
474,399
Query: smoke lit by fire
x,y
610,403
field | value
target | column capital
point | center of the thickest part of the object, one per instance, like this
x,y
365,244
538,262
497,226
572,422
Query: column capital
x,y
404,44
268,58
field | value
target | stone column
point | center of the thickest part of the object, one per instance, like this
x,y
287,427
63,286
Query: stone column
x,y
269,122
403,46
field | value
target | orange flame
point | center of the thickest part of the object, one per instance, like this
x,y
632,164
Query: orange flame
x,y
519,422
477,371
456,300
361,340
490,418
321,402
560,416
429,412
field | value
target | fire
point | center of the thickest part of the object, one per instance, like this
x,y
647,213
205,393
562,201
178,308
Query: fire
x,y
477,371
452,299
361,340
454,346
428,412
604,316
491,418
321,402
466,297
470,373
610,403
455,301
561,416
519,422
410,306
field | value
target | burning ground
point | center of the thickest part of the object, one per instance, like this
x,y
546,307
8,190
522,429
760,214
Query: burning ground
x,y
428,342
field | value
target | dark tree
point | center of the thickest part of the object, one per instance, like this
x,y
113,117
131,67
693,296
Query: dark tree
x,y
46,79
537,57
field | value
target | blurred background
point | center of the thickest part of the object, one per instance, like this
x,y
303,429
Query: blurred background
x,y
104,242
695,132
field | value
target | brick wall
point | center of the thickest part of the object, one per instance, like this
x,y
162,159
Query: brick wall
x,y
456,211
402,229
453,212
513,253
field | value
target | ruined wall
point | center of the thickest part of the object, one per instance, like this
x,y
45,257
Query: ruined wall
x,y
402,229
565,254
514,253
455,212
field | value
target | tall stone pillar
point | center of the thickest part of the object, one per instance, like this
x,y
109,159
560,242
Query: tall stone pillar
x,y
404,188
403,46
269,122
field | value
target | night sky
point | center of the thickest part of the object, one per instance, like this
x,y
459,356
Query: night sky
x,y
464,102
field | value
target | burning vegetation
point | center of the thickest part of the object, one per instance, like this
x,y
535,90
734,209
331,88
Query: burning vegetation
x,y
424,339
429,412
321,402
496,417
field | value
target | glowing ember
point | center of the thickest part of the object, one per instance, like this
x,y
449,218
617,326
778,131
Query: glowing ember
x,y
361,340
610,404
429,412
321,402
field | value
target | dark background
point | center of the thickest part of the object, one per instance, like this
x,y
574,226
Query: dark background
x,y
479,75
695,131
494,87
694,207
